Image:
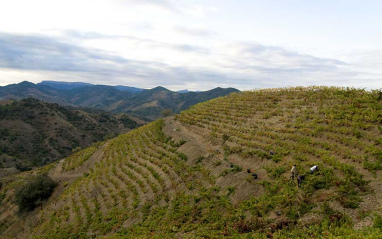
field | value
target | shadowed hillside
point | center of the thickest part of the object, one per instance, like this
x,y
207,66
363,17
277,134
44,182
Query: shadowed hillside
x,y
34,133
186,176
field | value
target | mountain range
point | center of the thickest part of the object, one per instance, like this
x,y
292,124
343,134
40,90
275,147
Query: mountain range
x,y
147,105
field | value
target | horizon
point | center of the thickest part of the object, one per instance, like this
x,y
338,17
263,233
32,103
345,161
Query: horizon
x,y
79,82
194,45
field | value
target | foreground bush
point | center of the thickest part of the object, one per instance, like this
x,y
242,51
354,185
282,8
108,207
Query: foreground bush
x,y
31,194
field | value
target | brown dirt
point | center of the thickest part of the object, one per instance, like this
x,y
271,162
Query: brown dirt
x,y
198,145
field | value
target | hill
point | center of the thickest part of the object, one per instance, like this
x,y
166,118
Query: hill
x,y
62,85
27,89
147,105
186,176
34,133
150,104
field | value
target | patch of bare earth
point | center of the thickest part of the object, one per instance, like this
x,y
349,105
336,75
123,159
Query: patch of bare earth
x,y
198,144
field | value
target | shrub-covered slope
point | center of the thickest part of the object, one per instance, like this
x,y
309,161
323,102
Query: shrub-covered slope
x,y
34,133
186,176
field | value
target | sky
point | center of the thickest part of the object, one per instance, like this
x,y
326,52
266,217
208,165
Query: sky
x,y
195,45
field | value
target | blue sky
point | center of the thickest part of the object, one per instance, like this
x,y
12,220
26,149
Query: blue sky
x,y
196,45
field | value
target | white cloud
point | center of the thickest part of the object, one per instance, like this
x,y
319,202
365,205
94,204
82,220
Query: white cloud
x,y
147,63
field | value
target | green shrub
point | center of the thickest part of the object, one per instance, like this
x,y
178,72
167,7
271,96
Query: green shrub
x,y
377,222
32,193
182,156
231,190
275,172
237,168
372,166
200,159
22,167
348,196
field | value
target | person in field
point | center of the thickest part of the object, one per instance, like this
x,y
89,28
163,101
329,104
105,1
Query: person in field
x,y
294,172
300,178
313,169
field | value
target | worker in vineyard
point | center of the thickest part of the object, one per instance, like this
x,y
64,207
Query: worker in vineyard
x,y
313,169
294,172
254,175
300,178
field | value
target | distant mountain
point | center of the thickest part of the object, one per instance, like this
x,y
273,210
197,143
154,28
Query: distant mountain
x,y
96,96
27,89
147,105
150,104
61,85
187,91
64,85
183,91
33,132
128,88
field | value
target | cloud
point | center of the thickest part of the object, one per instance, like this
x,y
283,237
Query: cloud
x,y
39,53
270,58
74,34
46,53
194,31
241,65
179,7
165,4
148,43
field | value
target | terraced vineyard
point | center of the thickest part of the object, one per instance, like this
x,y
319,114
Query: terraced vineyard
x,y
186,176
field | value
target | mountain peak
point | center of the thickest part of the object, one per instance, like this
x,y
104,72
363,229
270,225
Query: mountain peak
x,y
160,88
25,83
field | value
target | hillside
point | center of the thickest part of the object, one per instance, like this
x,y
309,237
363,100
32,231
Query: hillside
x,y
186,176
34,133
146,105
27,89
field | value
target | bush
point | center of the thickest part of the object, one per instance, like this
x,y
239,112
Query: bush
x,y
22,167
377,222
275,172
32,193
182,156
166,112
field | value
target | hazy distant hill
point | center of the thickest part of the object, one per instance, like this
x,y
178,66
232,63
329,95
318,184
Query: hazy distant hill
x,y
61,85
27,89
222,170
144,104
128,89
150,104
33,132
64,85
187,91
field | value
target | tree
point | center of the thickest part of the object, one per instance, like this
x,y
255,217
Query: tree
x,y
33,192
166,112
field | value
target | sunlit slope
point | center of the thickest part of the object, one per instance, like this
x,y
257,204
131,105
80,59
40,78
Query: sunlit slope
x,y
186,176
327,126
139,174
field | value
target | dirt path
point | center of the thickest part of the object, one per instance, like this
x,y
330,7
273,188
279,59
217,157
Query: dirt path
x,y
58,174
196,145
